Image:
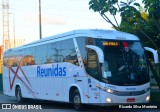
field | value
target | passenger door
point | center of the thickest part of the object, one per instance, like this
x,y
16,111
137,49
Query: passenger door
x,y
93,71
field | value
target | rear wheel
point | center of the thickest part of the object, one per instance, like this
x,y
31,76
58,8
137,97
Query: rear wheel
x,y
19,95
77,100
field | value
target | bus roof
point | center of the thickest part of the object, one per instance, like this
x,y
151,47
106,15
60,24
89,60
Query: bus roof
x,y
95,33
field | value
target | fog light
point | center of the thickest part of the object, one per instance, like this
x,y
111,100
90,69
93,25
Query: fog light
x,y
147,98
109,100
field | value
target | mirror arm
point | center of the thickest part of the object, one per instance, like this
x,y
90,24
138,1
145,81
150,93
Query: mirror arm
x,y
98,51
154,52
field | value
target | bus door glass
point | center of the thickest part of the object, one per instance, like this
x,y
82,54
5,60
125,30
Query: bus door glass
x,y
93,71
91,66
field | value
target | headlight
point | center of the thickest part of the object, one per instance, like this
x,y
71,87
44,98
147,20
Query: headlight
x,y
109,90
108,100
147,98
106,89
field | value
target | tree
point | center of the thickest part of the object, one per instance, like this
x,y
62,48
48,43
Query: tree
x,y
153,22
141,21
103,6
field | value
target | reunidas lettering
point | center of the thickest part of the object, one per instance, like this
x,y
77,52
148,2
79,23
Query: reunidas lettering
x,y
54,71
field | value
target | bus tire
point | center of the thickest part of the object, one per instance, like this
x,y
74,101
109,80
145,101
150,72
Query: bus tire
x,y
19,95
77,100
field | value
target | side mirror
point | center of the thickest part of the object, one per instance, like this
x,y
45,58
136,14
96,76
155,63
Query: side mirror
x,y
98,51
154,52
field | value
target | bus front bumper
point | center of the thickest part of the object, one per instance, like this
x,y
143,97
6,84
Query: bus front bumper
x,y
111,98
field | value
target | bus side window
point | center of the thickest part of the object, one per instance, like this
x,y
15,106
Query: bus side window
x,y
28,60
81,44
71,59
29,56
40,54
52,53
11,61
68,52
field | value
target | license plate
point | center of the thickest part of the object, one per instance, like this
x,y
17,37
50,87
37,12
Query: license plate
x,y
131,100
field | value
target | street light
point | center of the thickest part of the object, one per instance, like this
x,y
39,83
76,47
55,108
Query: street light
x,y
13,30
40,29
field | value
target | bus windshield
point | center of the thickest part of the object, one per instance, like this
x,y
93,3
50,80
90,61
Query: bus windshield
x,y
124,62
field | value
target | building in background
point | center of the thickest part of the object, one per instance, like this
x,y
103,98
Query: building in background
x,y
14,43
9,44
18,42
1,52
1,57
1,62
6,44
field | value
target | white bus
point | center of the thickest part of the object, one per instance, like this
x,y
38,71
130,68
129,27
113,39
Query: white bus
x,y
81,67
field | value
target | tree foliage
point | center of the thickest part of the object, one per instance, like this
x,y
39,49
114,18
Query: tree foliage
x,y
143,21
104,6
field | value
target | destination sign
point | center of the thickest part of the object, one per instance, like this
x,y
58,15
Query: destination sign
x,y
106,43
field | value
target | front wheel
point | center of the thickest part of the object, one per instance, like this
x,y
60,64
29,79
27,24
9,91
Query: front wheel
x,y
19,95
77,100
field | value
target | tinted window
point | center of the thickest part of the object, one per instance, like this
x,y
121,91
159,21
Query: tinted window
x,y
29,56
52,53
62,51
89,56
67,52
41,54
13,58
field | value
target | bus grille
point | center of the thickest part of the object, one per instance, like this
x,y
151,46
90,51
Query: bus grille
x,y
130,93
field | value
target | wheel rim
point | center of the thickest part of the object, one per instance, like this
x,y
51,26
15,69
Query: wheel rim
x,y
18,96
